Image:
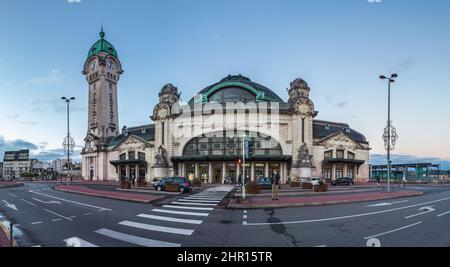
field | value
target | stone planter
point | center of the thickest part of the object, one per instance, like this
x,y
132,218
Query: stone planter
x,y
321,188
307,186
295,184
171,188
125,185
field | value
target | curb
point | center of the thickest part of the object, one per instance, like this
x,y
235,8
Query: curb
x,y
308,204
110,197
11,186
5,230
149,191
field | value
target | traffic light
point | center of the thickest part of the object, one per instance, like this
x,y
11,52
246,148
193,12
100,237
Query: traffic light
x,y
250,148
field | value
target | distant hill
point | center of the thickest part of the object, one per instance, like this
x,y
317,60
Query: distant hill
x,y
379,159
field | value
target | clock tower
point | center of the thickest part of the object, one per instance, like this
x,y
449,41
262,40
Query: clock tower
x,y
102,70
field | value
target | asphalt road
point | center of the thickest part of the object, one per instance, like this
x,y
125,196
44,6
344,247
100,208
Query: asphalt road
x,y
46,217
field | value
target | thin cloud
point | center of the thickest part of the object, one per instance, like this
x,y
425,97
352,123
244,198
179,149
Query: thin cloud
x,y
53,77
342,104
17,119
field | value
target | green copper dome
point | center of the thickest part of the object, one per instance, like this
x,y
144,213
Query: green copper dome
x,y
102,46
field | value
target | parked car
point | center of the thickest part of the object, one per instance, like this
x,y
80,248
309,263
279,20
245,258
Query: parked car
x,y
315,181
264,182
183,184
343,180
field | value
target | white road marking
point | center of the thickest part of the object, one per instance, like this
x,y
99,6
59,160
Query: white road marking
x,y
26,201
86,214
78,242
136,239
47,202
192,203
187,208
245,211
442,214
11,194
150,227
74,202
170,219
244,217
11,206
352,216
181,212
59,215
426,210
392,231
199,201
37,246
56,220
36,223
321,246
387,203
205,198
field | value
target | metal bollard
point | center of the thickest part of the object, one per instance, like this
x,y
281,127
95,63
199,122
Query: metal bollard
x,y
11,234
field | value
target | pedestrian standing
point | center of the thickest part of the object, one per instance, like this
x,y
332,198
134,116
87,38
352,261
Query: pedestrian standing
x,y
378,180
275,184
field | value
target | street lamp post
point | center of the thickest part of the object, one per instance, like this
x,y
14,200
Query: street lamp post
x,y
390,135
69,143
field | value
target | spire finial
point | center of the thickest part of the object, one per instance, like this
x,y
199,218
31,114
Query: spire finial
x,y
102,33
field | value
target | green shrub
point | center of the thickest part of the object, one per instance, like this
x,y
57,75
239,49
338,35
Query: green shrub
x,y
125,184
306,185
321,187
253,188
197,182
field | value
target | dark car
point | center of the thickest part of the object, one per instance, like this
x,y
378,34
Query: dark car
x,y
264,182
343,180
183,184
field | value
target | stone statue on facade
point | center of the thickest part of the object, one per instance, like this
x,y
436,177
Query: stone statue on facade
x,y
304,157
161,158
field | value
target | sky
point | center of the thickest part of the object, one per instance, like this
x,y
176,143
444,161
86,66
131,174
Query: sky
x,y
339,47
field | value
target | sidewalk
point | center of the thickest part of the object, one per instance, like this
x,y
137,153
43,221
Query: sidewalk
x,y
285,202
4,241
10,184
141,198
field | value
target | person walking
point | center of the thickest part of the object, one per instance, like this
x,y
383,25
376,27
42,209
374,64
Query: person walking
x,y
404,181
378,180
275,184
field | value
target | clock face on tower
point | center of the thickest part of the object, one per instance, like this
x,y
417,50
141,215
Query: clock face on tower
x,y
93,65
111,65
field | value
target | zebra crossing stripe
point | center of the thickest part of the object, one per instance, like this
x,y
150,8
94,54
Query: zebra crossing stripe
x,y
170,219
198,200
186,208
181,212
146,242
192,203
157,228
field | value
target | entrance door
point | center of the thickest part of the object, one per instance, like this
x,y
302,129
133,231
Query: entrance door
x,y
123,173
231,173
217,173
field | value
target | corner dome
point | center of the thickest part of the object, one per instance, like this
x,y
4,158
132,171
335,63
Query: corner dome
x,y
299,84
169,89
102,46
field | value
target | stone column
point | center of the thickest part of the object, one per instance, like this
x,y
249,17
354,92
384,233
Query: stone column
x,y
266,169
252,171
210,172
224,171
196,170
355,173
345,170
285,170
333,172
128,172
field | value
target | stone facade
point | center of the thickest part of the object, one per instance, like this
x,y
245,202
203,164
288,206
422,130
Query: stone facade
x,y
204,138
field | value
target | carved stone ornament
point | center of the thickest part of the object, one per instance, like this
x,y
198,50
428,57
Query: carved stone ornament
x,y
161,158
162,111
341,142
304,158
304,106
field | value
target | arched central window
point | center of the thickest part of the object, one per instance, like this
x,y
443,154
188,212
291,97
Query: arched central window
x,y
220,144
232,94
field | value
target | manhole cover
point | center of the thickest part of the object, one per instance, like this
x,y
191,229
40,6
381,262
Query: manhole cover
x,y
226,221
